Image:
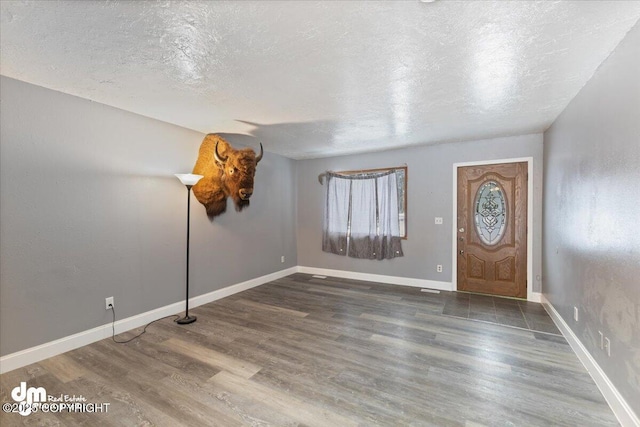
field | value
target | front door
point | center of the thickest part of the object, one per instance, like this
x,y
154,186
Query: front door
x,y
492,229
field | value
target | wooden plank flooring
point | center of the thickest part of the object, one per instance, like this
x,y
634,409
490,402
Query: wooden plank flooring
x,y
302,351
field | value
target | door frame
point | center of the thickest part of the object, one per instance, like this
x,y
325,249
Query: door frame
x,y
530,229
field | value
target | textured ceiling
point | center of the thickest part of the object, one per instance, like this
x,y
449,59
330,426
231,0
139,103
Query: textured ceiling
x,y
313,79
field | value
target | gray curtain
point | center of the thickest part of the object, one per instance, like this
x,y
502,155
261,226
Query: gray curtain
x,y
388,243
361,216
363,219
336,215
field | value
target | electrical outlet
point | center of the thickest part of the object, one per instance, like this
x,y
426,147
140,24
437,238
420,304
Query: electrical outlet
x,y
439,268
282,259
439,220
575,313
607,346
108,303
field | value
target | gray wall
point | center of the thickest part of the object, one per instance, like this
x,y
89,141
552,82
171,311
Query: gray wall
x,y
592,215
90,208
430,194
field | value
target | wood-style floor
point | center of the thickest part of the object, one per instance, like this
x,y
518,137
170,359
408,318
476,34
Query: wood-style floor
x,y
302,351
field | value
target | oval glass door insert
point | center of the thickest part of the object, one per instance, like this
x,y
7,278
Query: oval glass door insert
x,y
490,213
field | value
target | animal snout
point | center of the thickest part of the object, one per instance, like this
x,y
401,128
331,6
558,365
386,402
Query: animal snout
x,y
245,193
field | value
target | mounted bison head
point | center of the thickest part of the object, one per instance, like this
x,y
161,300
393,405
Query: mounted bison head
x,y
227,172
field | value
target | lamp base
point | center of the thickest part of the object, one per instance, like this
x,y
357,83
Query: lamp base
x,y
186,320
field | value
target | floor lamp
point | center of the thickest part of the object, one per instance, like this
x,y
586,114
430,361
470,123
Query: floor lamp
x,y
189,180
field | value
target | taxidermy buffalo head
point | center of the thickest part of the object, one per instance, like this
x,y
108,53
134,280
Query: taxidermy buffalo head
x,y
227,173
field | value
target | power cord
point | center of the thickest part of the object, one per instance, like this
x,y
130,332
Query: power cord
x,y
113,326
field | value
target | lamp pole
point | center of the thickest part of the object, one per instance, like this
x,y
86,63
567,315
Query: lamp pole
x,y
189,180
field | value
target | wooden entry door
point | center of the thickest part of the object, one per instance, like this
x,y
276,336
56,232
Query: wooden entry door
x,y
492,229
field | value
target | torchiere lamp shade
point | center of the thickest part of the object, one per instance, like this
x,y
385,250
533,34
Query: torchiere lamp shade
x,y
189,179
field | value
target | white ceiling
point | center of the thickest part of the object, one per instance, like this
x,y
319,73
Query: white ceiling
x,y
320,78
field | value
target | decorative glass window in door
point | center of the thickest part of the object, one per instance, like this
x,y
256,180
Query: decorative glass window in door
x,y
490,213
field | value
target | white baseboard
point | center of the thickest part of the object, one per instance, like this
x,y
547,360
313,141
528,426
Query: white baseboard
x,y
626,416
379,278
35,354
393,280
535,297
239,287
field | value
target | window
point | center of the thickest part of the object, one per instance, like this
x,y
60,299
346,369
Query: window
x,y
490,216
365,213
401,179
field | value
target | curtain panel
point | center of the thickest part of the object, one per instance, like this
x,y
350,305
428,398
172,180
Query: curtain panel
x,y
336,215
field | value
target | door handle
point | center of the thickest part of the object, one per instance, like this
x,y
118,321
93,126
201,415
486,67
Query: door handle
x,y
461,230
461,252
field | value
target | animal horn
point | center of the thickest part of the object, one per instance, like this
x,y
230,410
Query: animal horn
x,y
217,155
259,155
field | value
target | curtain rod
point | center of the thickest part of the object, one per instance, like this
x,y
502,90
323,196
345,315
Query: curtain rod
x,y
358,172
